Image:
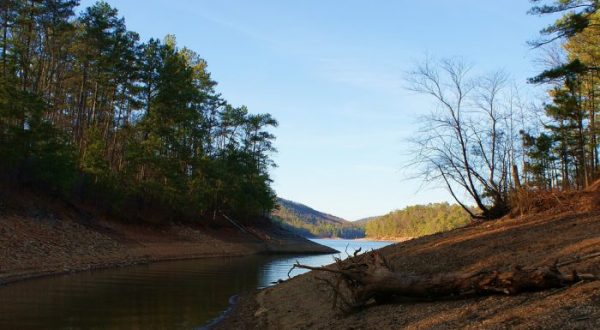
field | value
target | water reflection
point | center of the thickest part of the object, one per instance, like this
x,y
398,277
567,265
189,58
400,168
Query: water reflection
x,y
178,294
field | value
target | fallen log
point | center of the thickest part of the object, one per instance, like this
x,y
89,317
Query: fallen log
x,y
369,278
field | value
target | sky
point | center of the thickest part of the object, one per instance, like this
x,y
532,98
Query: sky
x,y
333,74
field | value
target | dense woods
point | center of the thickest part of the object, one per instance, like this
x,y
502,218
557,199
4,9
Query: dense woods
x,y
417,220
488,146
564,154
89,110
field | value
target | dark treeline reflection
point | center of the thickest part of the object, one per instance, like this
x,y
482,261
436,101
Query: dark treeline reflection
x,y
179,294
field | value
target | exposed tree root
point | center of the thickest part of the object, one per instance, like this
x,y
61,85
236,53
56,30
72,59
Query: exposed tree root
x,y
369,278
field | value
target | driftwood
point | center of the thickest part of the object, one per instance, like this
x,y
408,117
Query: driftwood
x,y
368,278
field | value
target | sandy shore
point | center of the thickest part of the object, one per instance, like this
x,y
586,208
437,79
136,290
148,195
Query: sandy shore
x,y
386,239
304,303
34,246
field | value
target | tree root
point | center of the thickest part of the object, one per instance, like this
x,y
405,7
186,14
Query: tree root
x,y
367,278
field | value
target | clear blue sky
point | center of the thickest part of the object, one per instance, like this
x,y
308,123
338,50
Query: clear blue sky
x,y
332,73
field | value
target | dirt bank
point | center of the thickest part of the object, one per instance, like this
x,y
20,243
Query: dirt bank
x,y
538,239
39,237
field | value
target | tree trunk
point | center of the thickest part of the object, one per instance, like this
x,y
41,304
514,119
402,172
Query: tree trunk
x,y
515,175
369,277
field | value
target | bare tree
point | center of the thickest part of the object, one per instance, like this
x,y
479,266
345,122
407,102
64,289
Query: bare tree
x,y
466,142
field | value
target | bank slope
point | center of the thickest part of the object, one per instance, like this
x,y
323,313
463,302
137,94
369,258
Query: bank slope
x,y
40,235
560,233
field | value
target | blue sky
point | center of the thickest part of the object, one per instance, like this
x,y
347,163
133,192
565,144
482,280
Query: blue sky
x,y
331,72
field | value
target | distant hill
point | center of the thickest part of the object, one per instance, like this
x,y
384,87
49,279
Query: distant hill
x,y
309,222
412,221
364,221
305,212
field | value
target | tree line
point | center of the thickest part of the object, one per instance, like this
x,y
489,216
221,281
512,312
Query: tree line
x,y
485,143
89,110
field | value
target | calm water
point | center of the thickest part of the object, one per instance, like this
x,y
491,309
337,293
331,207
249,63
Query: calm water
x,y
176,294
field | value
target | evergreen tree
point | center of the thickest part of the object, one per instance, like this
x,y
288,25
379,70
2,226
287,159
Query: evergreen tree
x,y
86,108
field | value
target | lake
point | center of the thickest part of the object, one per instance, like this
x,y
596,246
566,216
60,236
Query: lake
x,y
174,294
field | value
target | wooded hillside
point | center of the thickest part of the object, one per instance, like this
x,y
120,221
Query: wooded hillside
x,y
417,220
89,110
308,222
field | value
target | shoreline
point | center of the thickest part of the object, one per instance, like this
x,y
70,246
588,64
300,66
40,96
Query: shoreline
x,y
390,239
32,248
41,273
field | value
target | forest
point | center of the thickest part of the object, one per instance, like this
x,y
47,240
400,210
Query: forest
x,y
491,146
90,112
417,220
